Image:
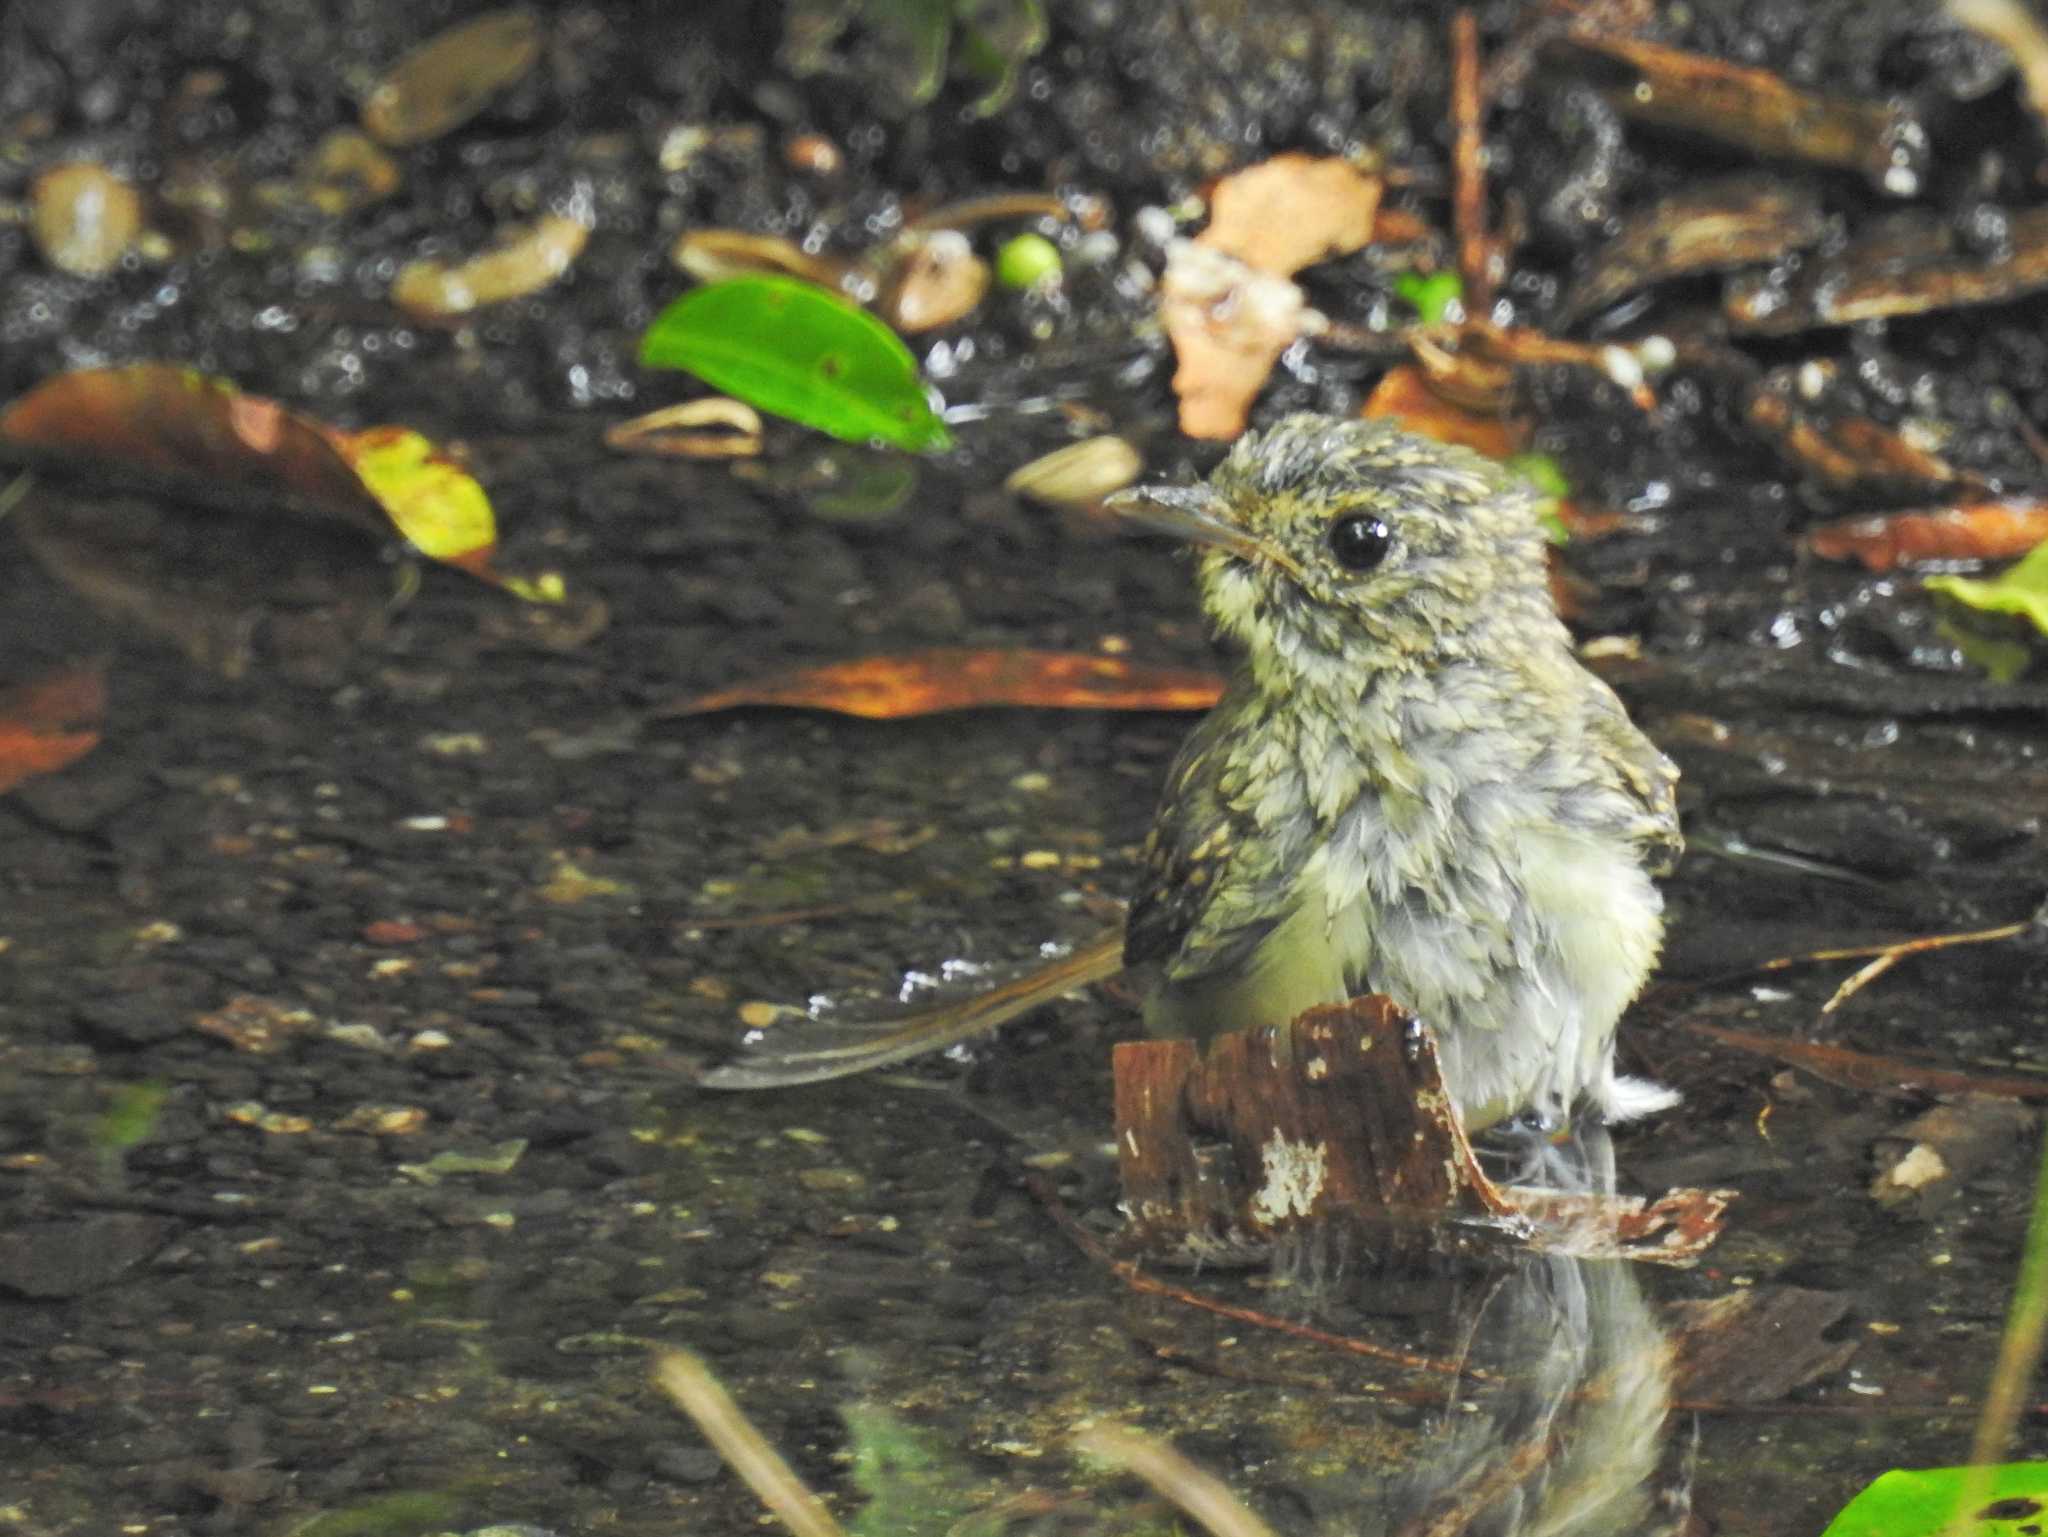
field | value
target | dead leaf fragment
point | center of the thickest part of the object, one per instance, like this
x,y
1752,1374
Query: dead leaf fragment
x,y
878,835
1931,1156
714,427
948,678
50,721
1292,211
713,255
1229,323
1078,474
83,218
1404,395
938,280
256,1025
180,423
213,441
1986,530
523,260
1757,1345
569,885
451,77
1225,300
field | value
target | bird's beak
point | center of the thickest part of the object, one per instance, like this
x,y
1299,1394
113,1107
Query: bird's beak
x,y
1190,513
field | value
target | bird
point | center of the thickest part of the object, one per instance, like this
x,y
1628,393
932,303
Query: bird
x,y
1410,786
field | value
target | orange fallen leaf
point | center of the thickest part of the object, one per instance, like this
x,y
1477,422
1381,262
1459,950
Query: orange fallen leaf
x,y
953,678
1993,530
1404,395
1291,211
50,721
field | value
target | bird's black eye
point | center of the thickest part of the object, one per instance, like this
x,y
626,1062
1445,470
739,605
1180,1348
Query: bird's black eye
x,y
1360,541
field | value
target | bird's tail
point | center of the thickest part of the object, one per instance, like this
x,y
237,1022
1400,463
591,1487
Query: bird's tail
x,y
811,1050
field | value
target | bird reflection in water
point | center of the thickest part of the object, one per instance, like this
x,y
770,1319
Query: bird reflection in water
x,y
1570,1432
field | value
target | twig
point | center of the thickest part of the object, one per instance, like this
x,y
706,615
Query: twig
x,y
1897,946
698,1394
1888,956
1468,168
1861,979
1204,1497
2014,28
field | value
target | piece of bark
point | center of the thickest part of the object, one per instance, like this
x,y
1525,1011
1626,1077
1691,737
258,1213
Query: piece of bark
x,y
1343,1121
1757,1345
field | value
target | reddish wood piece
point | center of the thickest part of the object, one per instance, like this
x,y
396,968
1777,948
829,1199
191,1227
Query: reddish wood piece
x,y
1342,1120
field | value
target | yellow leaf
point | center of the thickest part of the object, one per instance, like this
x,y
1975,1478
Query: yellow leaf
x,y
435,503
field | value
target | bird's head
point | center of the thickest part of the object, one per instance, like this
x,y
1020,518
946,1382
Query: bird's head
x,y
1326,540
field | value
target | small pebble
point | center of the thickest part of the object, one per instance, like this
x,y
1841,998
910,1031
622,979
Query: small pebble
x,y
84,218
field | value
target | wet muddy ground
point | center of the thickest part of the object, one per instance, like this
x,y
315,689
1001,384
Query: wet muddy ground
x,y
349,1159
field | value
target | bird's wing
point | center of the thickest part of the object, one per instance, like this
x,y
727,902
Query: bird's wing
x,y
1648,777
1202,903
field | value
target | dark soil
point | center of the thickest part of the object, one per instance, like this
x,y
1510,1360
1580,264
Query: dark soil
x,y
448,882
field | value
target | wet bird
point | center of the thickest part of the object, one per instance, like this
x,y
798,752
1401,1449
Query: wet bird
x,y
1411,786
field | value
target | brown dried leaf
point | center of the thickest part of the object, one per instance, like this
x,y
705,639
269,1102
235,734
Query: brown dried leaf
x,y
50,721
1759,111
1290,212
1990,530
712,427
1757,1345
949,678
1932,1156
451,77
523,260
1229,324
1404,395
179,423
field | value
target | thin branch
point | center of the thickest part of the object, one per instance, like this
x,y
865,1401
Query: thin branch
x,y
688,1381
1204,1497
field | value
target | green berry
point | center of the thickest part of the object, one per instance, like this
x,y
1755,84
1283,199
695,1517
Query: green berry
x,y
1026,261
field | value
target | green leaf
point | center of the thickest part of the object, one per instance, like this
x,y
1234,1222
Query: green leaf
x,y
996,36
799,351
1922,1502
911,35
2022,590
131,1116
1548,481
1431,295
2004,659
